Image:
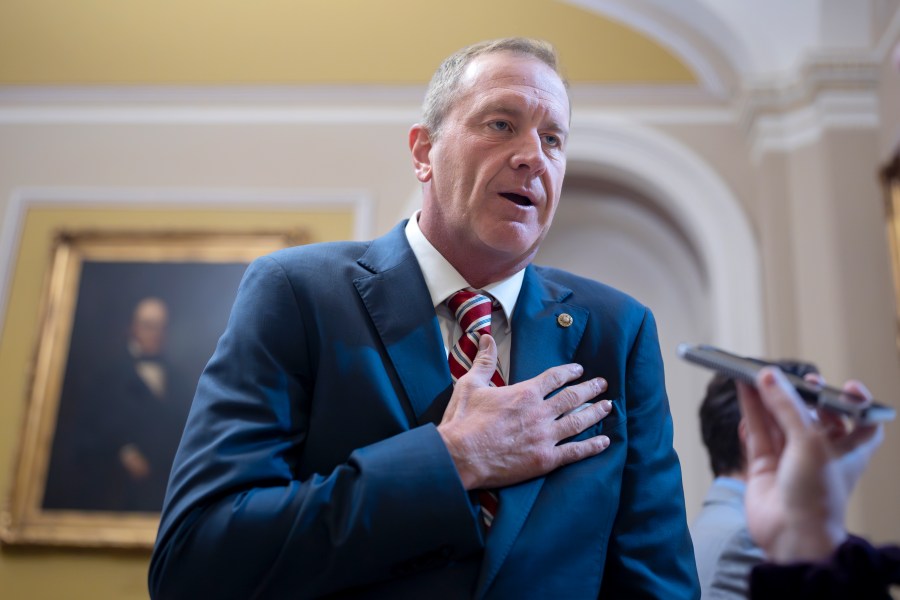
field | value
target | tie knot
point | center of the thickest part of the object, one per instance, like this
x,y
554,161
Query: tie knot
x,y
472,311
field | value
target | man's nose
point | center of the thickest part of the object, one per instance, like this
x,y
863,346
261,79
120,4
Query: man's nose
x,y
529,153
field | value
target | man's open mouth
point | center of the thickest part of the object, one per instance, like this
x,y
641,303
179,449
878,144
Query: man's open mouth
x,y
517,198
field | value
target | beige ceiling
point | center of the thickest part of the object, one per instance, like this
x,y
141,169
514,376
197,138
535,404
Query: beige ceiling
x,y
302,41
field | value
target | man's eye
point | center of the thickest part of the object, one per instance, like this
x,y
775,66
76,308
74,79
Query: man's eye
x,y
500,125
552,140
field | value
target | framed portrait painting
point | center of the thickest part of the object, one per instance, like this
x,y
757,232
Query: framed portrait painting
x,y
129,320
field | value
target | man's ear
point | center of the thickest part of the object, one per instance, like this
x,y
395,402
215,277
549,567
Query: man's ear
x,y
420,146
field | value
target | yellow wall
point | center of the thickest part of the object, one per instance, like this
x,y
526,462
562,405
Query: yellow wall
x,y
95,574
302,41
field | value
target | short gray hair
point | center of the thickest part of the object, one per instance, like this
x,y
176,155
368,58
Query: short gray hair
x,y
444,86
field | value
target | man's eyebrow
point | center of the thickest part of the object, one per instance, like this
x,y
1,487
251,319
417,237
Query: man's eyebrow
x,y
503,109
510,111
558,128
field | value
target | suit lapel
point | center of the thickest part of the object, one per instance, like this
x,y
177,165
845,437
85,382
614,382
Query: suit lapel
x,y
398,302
538,343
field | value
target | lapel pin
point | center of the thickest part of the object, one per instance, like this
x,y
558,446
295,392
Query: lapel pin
x,y
564,320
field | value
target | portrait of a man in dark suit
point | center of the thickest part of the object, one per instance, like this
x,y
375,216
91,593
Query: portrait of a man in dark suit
x,y
139,339
143,401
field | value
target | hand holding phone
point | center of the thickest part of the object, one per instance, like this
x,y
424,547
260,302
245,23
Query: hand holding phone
x,y
744,369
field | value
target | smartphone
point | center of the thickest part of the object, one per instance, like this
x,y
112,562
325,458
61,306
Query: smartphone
x,y
744,369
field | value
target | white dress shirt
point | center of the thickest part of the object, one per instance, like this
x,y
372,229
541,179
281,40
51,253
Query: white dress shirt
x,y
443,280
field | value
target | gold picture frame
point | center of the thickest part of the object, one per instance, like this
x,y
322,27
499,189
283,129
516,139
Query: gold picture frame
x,y
74,481
890,178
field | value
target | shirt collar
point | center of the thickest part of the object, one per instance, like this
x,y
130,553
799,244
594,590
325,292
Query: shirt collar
x,y
731,483
443,279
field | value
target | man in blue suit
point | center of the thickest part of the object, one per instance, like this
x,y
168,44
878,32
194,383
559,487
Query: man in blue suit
x,y
328,452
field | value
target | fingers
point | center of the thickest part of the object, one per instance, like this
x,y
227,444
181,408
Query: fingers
x,y
522,412
777,411
759,443
580,419
574,396
579,415
860,434
575,451
485,362
838,426
815,378
858,391
782,401
555,377
569,404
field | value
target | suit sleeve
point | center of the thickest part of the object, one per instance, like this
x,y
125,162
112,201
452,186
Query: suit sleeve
x,y
237,521
650,554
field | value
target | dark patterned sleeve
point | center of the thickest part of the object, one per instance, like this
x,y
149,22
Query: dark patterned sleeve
x,y
856,570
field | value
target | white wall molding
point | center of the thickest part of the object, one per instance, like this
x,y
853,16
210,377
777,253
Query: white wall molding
x,y
199,96
316,106
359,202
693,194
210,105
835,110
821,72
832,90
206,115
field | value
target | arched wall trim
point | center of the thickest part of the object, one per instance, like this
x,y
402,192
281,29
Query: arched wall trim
x,y
688,189
691,31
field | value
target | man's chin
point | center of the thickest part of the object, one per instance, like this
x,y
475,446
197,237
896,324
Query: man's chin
x,y
512,248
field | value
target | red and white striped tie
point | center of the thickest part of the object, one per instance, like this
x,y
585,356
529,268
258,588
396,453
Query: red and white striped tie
x,y
473,313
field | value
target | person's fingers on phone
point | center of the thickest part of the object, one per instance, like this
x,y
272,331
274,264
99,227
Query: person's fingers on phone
x,y
828,420
867,436
832,423
776,434
779,396
858,434
759,441
858,392
815,378
838,426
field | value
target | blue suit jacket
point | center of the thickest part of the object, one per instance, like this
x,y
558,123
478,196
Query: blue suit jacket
x,y
310,464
